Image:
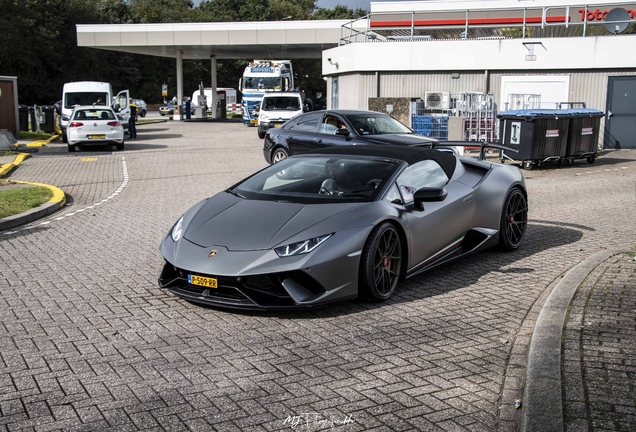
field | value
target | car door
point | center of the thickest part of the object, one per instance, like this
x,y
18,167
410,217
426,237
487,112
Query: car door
x,y
121,106
439,227
301,137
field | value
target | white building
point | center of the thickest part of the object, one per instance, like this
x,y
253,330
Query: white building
x,y
563,51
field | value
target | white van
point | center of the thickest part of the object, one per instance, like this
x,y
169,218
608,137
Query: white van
x,y
92,92
276,109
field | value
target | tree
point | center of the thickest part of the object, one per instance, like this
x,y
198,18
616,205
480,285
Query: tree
x,y
339,12
40,44
162,11
254,10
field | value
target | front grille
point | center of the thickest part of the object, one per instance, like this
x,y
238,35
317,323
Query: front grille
x,y
258,291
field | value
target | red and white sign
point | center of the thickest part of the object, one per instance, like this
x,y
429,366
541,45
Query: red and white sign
x,y
587,131
234,108
552,133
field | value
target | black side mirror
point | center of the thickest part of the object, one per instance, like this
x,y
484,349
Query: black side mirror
x,y
343,132
427,194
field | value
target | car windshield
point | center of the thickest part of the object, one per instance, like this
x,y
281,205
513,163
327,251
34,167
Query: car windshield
x,y
94,114
84,98
281,103
319,179
377,124
262,83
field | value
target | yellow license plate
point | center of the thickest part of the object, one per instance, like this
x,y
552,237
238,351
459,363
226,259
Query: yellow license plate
x,y
253,121
203,281
96,136
278,125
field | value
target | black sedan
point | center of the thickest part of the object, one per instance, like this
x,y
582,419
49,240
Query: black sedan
x,y
318,129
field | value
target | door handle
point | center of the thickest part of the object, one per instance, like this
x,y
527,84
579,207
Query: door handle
x,y
290,137
317,140
609,114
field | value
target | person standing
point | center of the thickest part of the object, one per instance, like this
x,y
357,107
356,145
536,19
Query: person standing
x,y
132,128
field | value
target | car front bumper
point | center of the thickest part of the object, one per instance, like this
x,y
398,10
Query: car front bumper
x,y
260,279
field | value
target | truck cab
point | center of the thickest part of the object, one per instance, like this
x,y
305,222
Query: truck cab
x,y
261,77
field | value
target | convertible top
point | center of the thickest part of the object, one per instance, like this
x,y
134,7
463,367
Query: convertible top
x,y
410,155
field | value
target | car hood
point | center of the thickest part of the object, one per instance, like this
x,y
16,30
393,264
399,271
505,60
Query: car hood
x,y
240,224
399,139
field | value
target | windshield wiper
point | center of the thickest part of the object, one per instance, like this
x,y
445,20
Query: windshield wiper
x,y
235,193
358,193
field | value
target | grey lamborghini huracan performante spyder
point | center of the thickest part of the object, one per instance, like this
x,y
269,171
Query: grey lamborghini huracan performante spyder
x,y
338,223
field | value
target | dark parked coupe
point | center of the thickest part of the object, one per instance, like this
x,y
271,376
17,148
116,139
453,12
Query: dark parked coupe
x,y
318,129
338,223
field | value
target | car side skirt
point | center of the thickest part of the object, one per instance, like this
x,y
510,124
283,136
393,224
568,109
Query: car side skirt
x,y
472,241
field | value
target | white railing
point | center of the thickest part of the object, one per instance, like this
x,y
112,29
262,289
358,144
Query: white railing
x,y
362,30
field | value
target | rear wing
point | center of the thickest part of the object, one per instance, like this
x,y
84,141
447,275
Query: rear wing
x,y
482,146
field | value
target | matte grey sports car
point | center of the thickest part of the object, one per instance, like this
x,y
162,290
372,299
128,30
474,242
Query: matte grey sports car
x,y
338,223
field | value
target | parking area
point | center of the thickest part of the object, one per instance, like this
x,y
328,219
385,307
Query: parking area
x,y
88,340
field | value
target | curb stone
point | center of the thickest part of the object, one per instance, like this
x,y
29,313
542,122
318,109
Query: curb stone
x,y
542,398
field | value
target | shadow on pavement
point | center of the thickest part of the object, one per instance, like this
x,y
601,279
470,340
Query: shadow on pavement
x,y
541,235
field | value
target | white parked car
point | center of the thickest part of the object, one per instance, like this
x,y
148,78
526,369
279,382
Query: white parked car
x,y
94,125
276,109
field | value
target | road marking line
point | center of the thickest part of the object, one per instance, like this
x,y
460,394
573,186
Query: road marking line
x,y
111,196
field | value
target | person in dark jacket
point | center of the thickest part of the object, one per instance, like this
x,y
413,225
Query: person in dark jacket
x,y
132,128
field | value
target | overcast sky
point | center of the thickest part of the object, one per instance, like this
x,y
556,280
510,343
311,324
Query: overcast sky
x,y
351,4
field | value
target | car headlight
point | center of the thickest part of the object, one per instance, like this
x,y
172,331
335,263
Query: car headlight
x,y
301,247
177,230
264,117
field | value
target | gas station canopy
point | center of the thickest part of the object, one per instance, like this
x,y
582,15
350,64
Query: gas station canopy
x,y
261,39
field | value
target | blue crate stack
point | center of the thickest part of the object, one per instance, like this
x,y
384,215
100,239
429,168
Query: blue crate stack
x,y
430,126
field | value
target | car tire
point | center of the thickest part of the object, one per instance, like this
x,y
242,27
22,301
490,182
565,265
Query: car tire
x,y
64,138
279,154
261,135
72,148
143,114
120,146
380,263
514,220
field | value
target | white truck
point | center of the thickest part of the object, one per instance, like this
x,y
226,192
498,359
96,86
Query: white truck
x,y
260,77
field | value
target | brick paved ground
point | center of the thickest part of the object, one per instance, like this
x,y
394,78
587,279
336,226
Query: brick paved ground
x,y
599,360
89,342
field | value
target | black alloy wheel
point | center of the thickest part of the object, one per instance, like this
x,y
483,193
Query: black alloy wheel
x,y
514,220
381,263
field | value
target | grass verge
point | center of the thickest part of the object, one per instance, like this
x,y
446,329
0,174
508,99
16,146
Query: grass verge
x,y
35,135
16,201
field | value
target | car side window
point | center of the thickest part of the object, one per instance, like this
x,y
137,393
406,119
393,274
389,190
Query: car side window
x,y
426,173
307,123
330,124
393,194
